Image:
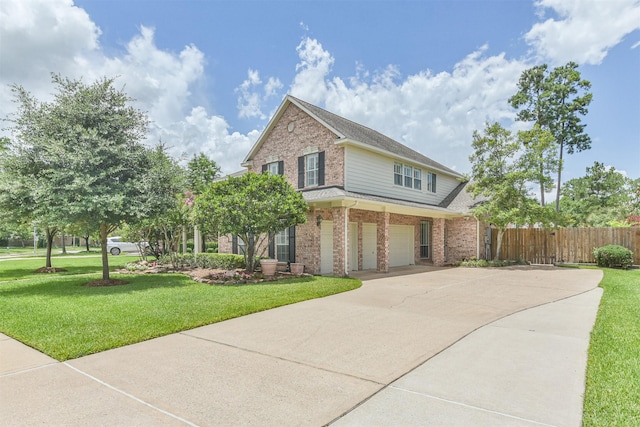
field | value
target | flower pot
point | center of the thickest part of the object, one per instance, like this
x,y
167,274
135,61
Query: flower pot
x,y
296,268
268,266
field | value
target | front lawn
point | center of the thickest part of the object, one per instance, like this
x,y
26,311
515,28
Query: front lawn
x,y
57,315
12,269
612,395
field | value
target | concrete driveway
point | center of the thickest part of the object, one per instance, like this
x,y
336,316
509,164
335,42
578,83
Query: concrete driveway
x,y
356,358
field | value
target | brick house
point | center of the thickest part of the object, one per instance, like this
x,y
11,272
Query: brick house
x,y
373,202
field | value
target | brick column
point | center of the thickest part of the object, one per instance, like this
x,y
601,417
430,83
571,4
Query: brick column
x,y
383,241
437,241
339,239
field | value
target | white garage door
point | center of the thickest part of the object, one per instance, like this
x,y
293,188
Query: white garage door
x,y
401,245
326,247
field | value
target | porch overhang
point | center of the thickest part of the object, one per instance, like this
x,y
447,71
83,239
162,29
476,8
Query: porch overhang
x,y
336,197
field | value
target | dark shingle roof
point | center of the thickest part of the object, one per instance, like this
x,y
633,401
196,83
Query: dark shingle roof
x,y
359,133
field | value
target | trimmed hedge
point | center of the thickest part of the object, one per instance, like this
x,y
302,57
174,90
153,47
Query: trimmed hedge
x,y
613,256
206,260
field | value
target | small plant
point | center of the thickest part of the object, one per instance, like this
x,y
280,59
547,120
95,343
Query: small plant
x,y
493,263
613,256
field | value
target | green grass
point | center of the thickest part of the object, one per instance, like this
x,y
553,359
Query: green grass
x,y
612,395
13,269
57,315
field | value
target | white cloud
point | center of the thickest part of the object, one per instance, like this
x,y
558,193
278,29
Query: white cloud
x,y
435,114
43,36
250,100
585,30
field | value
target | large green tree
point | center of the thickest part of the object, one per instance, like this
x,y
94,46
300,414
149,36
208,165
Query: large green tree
x,y
253,207
555,100
499,177
602,196
87,143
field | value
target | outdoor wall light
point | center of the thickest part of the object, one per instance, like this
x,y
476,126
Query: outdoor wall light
x,y
319,220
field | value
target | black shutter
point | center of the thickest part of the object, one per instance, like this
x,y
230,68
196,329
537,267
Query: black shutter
x,y
281,167
264,168
234,244
301,172
292,244
321,168
434,182
272,246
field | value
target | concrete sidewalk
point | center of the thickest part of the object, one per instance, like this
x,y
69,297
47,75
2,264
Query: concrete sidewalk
x,y
356,358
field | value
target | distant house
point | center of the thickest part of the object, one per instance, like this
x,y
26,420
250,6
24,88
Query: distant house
x,y
374,203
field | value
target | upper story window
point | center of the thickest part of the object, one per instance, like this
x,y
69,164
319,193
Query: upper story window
x,y
311,170
407,176
431,182
274,168
397,173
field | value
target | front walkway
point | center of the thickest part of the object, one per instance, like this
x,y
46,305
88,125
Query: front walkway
x,y
311,363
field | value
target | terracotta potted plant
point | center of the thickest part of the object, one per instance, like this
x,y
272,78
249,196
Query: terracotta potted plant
x,y
268,266
296,268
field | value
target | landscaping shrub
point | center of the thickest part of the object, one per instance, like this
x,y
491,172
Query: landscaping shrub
x,y
207,260
613,256
484,263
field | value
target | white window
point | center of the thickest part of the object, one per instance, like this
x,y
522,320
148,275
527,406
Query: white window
x,y
417,179
408,176
282,246
272,168
311,170
431,182
425,239
242,246
397,173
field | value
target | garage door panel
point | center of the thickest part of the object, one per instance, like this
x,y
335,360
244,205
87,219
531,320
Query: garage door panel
x,y
401,245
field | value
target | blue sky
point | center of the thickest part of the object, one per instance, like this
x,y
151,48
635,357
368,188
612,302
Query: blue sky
x,y
427,73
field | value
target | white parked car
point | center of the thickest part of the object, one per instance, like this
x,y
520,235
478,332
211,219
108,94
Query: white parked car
x,y
115,246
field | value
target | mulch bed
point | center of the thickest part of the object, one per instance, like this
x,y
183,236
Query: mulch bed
x,y
49,270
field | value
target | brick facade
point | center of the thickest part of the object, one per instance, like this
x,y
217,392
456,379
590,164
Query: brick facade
x,y
306,136
294,134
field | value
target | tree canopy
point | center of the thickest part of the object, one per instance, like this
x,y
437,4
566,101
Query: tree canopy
x,y
500,177
600,198
82,160
253,207
555,100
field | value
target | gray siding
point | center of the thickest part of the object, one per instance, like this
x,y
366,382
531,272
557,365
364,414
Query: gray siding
x,y
371,173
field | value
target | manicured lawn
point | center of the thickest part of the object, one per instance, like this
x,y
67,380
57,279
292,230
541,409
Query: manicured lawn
x,y
612,395
57,315
12,269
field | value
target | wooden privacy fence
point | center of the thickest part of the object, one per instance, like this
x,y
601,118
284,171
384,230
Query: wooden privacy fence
x,y
546,246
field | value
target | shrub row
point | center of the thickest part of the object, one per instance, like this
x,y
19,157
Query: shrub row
x,y
484,263
613,256
205,260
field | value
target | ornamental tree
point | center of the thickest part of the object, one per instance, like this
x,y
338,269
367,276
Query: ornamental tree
x,y
253,207
500,177
89,165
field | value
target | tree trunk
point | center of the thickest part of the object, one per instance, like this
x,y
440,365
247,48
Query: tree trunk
x,y
50,232
86,241
64,246
249,254
499,244
105,254
541,184
559,178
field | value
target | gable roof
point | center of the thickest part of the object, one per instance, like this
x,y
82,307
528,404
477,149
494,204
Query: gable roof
x,y
350,131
